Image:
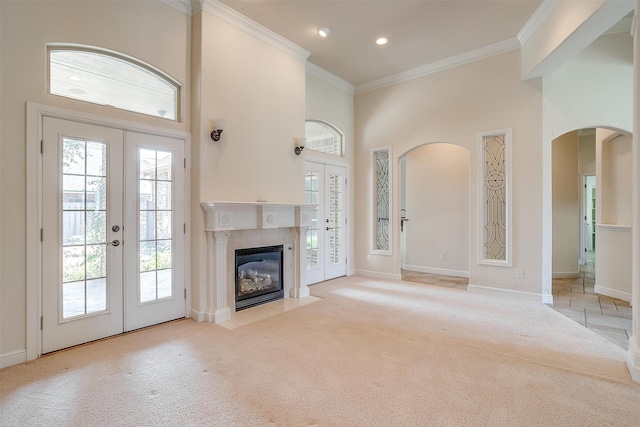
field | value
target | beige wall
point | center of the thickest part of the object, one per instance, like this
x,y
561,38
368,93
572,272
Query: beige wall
x,y
566,205
453,106
151,31
437,185
615,189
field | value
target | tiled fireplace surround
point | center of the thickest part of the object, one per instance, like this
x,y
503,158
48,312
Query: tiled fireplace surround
x,y
237,225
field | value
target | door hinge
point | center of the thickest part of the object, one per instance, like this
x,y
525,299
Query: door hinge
x,y
185,162
185,293
42,234
41,322
184,228
41,146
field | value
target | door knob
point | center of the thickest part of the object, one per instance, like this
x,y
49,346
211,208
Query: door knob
x,y
115,228
114,243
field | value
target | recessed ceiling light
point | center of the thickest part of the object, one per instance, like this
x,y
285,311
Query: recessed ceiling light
x,y
324,31
381,41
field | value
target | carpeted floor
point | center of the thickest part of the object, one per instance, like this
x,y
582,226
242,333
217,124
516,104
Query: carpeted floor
x,y
368,353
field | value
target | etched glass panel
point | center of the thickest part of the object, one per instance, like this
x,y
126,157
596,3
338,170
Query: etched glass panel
x,y
155,224
495,197
336,219
381,200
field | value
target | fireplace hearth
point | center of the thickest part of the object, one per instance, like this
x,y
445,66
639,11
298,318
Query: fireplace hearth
x,y
259,276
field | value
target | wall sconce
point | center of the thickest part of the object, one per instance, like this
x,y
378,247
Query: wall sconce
x,y
299,145
217,130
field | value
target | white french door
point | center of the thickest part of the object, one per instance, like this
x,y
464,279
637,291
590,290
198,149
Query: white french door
x,y
112,238
326,238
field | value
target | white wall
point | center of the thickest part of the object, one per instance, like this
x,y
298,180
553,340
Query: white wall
x,y
453,106
566,205
151,31
438,207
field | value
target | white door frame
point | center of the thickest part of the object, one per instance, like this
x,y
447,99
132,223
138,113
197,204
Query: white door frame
x,y
310,157
35,114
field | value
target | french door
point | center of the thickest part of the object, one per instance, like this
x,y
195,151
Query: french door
x,y
112,236
326,238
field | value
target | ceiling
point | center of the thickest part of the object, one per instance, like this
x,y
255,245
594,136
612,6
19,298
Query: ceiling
x,y
420,32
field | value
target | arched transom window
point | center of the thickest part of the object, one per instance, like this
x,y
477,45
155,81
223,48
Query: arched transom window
x,y
108,78
323,137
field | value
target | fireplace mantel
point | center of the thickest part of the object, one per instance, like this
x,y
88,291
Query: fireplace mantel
x,y
223,218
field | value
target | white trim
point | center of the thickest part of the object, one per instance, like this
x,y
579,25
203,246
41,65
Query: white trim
x,y
182,5
330,78
197,316
507,262
372,206
433,270
35,114
444,64
13,358
633,358
614,227
565,275
511,294
537,18
624,296
249,26
378,275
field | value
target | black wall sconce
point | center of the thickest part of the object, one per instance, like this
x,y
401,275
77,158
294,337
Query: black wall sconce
x,y
299,145
217,130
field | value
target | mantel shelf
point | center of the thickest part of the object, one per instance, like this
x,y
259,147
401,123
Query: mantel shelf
x,y
229,216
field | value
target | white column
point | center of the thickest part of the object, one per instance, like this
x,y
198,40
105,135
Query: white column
x,y
218,309
633,354
299,262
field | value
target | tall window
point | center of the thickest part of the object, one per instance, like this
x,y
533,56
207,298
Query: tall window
x,y
323,137
108,78
495,209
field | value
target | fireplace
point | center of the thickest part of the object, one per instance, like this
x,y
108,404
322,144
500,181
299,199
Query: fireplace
x,y
258,276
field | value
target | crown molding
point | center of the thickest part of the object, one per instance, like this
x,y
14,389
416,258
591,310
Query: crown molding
x,y
539,16
434,67
332,79
182,5
249,26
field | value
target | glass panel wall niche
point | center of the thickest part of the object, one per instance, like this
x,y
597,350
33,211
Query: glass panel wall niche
x,y
381,209
495,209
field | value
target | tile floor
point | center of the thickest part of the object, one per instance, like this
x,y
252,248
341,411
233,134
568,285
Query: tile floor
x,y
608,317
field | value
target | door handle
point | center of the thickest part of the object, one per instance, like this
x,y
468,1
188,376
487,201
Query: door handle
x,y
114,242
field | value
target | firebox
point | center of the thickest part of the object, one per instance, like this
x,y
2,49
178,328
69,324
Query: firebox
x,y
258,276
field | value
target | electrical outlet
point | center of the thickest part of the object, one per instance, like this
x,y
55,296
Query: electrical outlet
x,y
443,255
519,273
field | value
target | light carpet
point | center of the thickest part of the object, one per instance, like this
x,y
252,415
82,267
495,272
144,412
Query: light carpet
x,y
368,353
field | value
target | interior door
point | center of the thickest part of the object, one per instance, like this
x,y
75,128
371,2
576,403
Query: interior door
x,y
82,283
113,231
326,238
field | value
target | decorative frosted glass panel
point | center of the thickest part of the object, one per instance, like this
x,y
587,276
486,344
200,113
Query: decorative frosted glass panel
x,y
311,195
336,219
155,224
321,136
106,78
495,198
381,197
84,227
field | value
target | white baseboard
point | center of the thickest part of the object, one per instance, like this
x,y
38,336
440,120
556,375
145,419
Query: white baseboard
x,y
633,359
377,275
565,275
198,317
433,270
13,358
509,293
624,296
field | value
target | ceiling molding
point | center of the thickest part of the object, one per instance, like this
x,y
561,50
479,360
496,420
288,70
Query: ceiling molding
x,y
182,5
249,26
332,79
539,16
454,61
